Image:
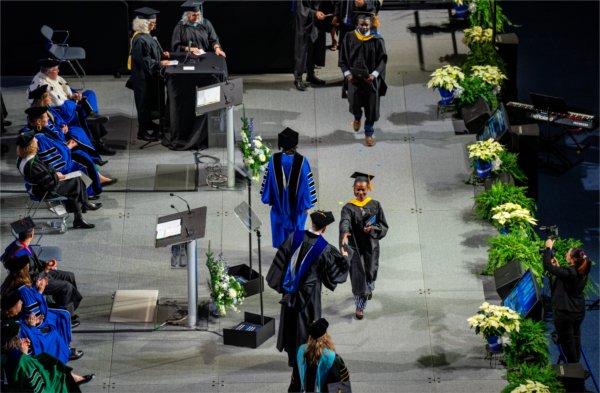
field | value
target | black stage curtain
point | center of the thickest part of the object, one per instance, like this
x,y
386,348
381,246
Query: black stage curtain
x,y
256,35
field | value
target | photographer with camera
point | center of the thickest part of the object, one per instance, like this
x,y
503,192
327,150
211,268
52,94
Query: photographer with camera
x,y
568,302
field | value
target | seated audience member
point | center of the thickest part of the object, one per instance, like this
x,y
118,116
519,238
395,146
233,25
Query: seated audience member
x,y
49,330
195,28
40,373
61,284
74,108
41,98
318,368
61,154
43,181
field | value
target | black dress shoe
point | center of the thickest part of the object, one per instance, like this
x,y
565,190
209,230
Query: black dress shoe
x,y
75,354
104,150
93,197
102,162
74,317
86,379
147,137
300,85
74,324
81,223
91,206
95,118
112,181
312,79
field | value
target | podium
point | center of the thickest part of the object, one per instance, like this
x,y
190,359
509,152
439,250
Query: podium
x,y
192,227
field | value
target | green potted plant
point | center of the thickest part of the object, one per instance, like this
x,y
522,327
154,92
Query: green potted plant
x,y
530,386
528,345
498,194
225,291
513,218
483,53
477,35
460,9
533,373
483,155
494,322
490,74
446,79
511,247
481,14
470,89
508,164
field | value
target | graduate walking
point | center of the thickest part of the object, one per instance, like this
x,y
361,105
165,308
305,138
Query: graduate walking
x,y
363,59
288,187
362,225
303,264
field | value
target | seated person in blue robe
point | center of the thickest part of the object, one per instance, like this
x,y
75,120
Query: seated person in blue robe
x,y
288,187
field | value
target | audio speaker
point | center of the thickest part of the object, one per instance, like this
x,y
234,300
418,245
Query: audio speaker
x,y
508,46
507,276
475,115
572,376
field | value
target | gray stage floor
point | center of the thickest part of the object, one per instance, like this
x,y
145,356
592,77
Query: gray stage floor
x,y
414,338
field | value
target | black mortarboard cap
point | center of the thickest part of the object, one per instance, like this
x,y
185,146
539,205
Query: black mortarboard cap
x,y
38,93
287,139
363,14
318,328
321,218
22,225
25,138
10,299
48,63
192,5
359,176
15,264
10,329
146,13
35,111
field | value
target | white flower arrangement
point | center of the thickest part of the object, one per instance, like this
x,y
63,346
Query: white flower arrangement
x,y
512,216
531,387
477,35
492,320
487,151
447,77
255,152
489,74
226,292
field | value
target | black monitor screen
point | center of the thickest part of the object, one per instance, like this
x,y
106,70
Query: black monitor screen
x,y
496,125
524,296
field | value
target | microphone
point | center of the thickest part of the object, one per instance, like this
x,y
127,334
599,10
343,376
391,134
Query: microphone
x,y
187,204
184,226
187,55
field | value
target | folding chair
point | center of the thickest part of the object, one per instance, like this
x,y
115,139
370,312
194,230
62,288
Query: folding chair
x,y
63,52
52,225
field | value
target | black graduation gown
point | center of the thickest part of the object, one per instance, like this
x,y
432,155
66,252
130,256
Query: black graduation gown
x,y
43,178
337,373
344,10
369,55
309,39
146,54
202,36
365,246
300,309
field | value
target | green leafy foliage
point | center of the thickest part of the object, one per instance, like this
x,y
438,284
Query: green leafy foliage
x,y
472,89
225,291
498,194
482,16
545,375
509,165
483,54
510,247
528,345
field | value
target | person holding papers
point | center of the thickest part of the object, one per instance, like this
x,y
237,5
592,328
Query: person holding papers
x,y
44,182
362,60
145,63
362,225
194,33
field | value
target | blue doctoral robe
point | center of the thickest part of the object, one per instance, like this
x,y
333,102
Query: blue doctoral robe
x,y
75,132
53,335
289,188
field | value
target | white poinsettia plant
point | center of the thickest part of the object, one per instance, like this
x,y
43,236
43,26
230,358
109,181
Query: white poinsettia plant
x,y
492,320
486,151
489,74
256,154
225,291
531,387
477,35
447,77
512,216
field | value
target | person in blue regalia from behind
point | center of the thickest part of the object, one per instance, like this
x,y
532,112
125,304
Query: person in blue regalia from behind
x,y
288,187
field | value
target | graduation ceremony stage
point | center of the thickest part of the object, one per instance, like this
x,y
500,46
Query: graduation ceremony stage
x,y
414,338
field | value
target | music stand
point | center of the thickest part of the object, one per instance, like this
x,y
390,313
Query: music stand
x,y
255,329
192,227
